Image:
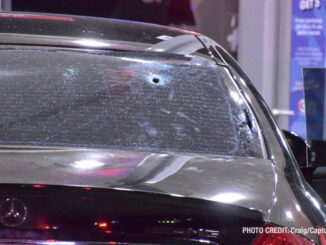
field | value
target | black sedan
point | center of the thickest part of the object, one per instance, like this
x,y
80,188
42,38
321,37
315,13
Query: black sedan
x,y
115,132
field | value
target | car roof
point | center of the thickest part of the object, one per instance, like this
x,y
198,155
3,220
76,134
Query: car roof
x,y
68,30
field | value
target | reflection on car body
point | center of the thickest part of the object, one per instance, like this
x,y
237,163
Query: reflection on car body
x,y
110,134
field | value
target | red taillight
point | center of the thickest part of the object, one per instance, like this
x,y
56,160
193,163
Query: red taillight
x,y
280,237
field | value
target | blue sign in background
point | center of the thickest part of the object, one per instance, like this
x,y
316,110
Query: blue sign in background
x,y
314,95
307,50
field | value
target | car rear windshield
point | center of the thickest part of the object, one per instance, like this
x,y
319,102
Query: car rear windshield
x,y
128,100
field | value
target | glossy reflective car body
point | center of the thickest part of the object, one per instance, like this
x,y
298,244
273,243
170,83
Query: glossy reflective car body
x,y
122,132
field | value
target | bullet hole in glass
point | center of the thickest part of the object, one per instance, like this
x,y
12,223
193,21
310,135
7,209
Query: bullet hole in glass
x,y
156,80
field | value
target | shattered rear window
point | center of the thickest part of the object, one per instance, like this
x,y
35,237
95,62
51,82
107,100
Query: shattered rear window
x,y
127,100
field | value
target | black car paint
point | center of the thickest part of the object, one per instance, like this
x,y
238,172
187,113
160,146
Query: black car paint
x,y
314,210
74,214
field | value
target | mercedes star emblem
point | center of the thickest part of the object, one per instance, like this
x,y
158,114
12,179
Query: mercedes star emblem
x,y
12,212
